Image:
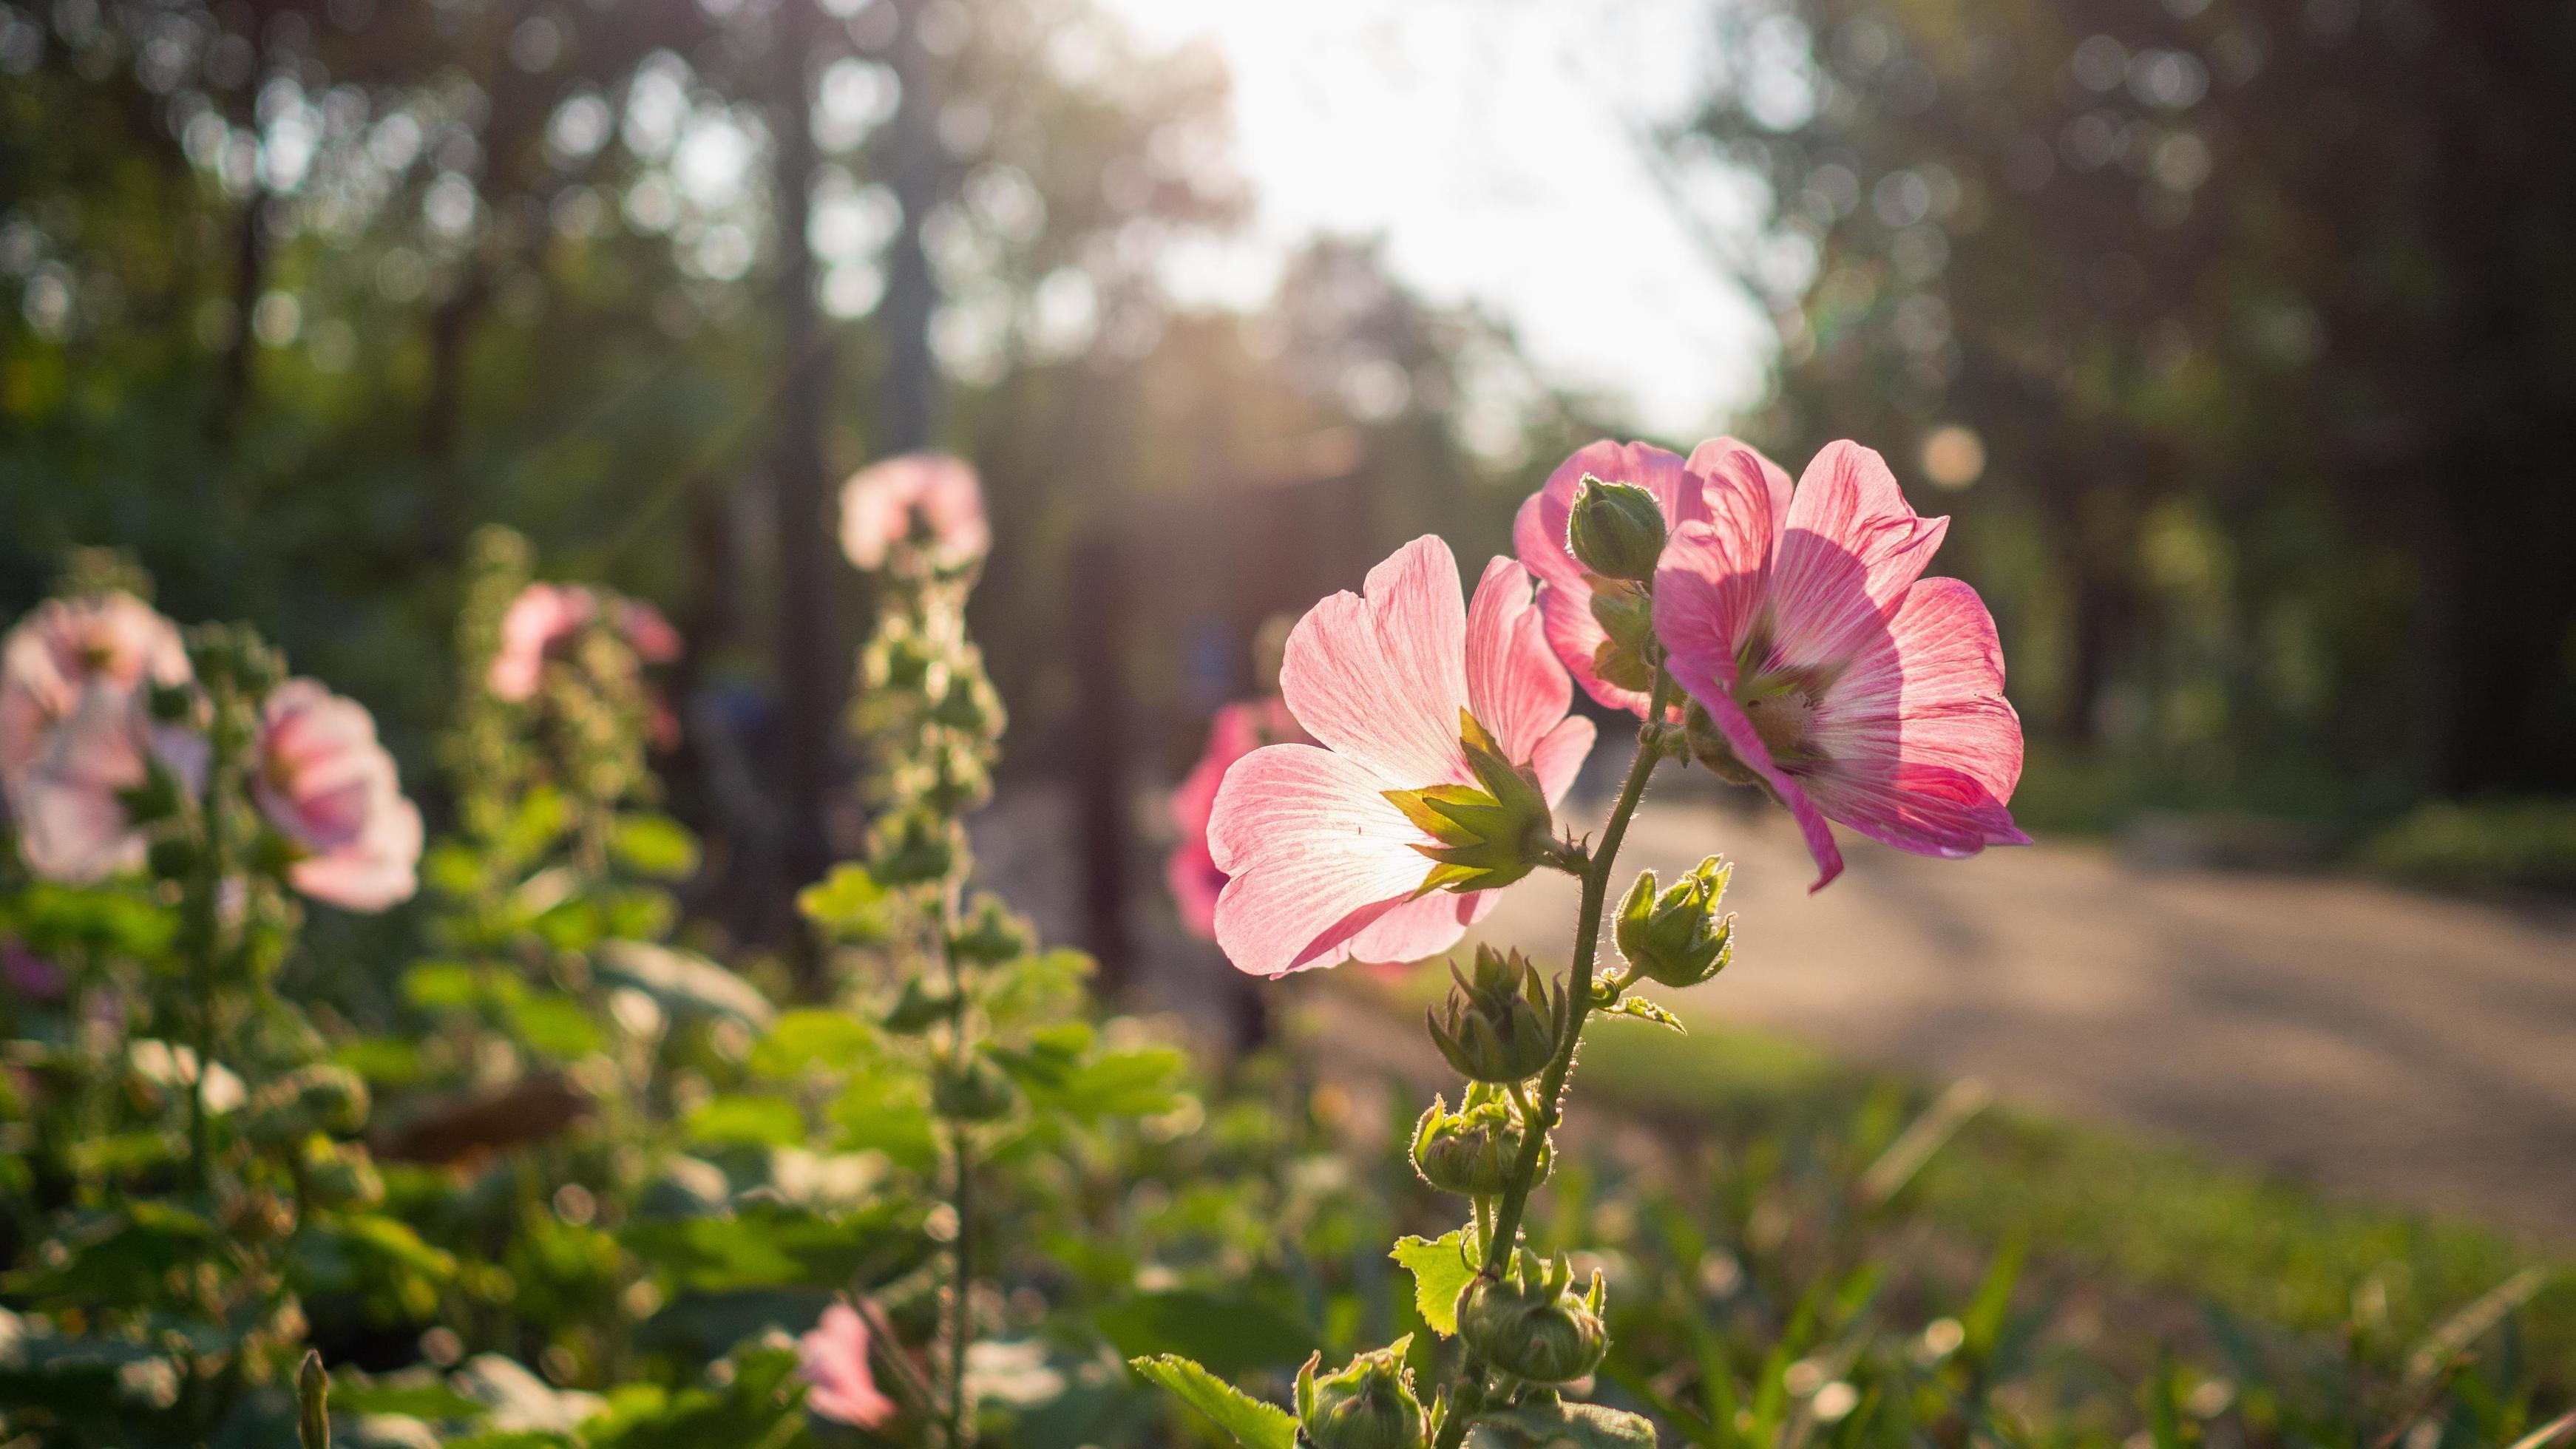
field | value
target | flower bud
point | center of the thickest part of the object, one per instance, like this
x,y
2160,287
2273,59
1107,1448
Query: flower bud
x,y
318,1098
1672,937
911,849
1502,1026
970,705
1626,613
1616,530
1368,1405
972,1091
991,936
917,1009
1487,838
1530,1324
1472,1151
341,1174
1710,746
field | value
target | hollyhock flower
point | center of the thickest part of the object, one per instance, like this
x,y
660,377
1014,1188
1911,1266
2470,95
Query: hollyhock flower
x,y
28,975
1235,731
73,825
1831,670
1323,865
833,1362
1579,607
545,617
328,786
645,631
52,656
881,502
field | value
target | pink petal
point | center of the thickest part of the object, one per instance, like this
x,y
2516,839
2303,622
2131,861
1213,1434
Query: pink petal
x,y
1715,695
1416,930
1514,684
377,872
1930,690
1924,808
1381,678
1560,756
1315,855
1852,547
1725,465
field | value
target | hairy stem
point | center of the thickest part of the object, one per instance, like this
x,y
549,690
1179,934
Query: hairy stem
x,y
1542,1114
961,1192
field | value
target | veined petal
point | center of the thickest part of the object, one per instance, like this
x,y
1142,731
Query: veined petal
x,y
1315,855
1560,756
1515,686
1928,690
1725,466
1381,677
1852,547
1538,537
1420,928
1707,594
1929,809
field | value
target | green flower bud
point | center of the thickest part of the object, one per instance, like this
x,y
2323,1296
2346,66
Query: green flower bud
x,y
1626,613
1501,1026
918,1009
1368,1405
912,848
1490,837
973,1091
1710,746
992,935
341,1174
901,658
1529,1323
318,1098
970,705
1615,529
1674,937
1472,1151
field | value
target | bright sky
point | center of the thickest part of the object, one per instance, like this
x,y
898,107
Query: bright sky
x,y
1499,146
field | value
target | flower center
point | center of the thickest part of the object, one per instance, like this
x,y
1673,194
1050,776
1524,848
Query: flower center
x,y
1781,710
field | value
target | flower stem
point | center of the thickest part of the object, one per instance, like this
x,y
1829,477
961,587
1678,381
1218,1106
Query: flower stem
x,y
1467,1392
961,1192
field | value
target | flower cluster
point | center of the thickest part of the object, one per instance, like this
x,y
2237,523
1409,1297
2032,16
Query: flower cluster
x,y
1780,635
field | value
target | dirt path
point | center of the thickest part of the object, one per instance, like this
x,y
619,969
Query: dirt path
x,y
2402,1046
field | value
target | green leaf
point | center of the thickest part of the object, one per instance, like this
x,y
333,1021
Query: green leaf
x,y
802,1041
684,982
443,985
655,845
738,1120
1551,1422
1644,1010
1231,1335
427,1399
1254,1424
848,905
556,1025
771,1246
1440,1273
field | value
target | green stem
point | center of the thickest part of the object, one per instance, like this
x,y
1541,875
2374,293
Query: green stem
x,y
207,928
961,1193
1467,1391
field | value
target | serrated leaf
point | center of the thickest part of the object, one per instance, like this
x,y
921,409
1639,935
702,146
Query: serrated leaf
x,y
1254,1424
1644,1010
1553,1423
1440,1273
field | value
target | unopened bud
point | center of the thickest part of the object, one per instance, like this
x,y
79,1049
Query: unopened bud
x,y
312,1410
1500,1026
1473,1150
911,849
1531,1324
1626,614
974,1090
1616,530
991,936
1675,937
1368,1405
918,1009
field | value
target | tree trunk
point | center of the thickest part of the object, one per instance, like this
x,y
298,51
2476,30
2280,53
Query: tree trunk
x,y
917,174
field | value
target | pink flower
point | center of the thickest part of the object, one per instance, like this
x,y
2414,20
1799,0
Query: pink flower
x,y
1567,592
1323,866
72,822
543,619
29,975
881,502
328,786
833,1361
1235,731
52,656
1849,685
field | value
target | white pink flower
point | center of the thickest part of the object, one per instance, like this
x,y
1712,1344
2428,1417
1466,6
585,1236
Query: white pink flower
x,y
832,1359
1322,866
545,617
1852,687
1568,593
882,502
73,825
329,787
56,652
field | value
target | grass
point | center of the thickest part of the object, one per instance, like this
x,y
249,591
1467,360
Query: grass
x,y
2150,1215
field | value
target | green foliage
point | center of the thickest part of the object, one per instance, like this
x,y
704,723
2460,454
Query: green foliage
x,y
1253,1424
2527,844
1441,1271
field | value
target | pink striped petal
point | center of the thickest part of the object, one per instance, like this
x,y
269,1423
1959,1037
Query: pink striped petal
x,y
1538,536
1928,809
1560,756
1315,855
1852,547
1380,678
1419,929
1514,685
1929,691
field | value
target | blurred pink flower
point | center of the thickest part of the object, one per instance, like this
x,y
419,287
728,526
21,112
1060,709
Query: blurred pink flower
x,y
1565,589
544,617
880,502
833,1361
329,787
1322,865
29,975
56,652
1235,731
1848,684
72,822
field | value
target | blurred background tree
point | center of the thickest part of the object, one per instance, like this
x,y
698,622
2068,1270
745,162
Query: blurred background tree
x,y
2240,326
